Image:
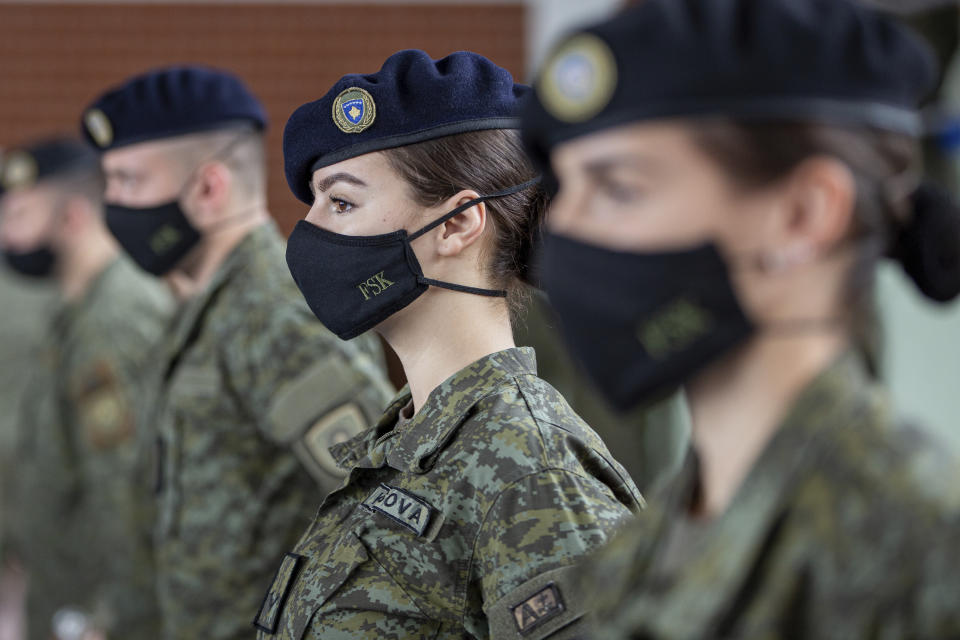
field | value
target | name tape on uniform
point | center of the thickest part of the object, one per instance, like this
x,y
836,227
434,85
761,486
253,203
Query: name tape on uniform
x,y
401,506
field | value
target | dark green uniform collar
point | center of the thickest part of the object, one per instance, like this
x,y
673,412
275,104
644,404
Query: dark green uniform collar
x,y
415,448
845,388
258,239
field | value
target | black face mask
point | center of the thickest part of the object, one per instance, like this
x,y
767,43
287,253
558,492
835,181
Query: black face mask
x,y
353,283
38,263
642,324
157,238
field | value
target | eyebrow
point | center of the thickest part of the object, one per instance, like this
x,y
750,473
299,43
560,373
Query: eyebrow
x,y
122,174
631,161
329,181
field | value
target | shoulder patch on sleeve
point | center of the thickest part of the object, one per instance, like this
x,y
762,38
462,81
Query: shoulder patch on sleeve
x,y
317,391
103,409
340,425
547,606
272,606
538,608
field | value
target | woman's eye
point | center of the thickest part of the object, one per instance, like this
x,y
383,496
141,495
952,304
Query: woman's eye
x,y
341,206
620,193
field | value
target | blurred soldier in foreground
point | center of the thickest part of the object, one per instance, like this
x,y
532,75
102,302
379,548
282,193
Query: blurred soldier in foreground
x,y
75,501
731,174
251,389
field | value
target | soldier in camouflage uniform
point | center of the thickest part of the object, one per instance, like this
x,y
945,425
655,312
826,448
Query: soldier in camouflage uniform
x,y
22,301
76,525
693,244
250,389
470,503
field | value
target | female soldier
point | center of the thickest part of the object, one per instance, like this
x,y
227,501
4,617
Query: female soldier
x,y
470,501
730,173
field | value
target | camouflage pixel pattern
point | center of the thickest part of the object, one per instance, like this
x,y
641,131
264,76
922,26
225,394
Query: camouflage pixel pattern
x,y
248,375
80,525
842,529
465,521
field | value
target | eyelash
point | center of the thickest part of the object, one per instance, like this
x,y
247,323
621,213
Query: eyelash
x,y
337,201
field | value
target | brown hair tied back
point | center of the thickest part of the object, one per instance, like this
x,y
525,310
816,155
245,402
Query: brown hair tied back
x,y
921,231
486,162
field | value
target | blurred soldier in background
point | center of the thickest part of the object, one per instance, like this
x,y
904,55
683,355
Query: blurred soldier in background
x,y
23,301
73,492
251,389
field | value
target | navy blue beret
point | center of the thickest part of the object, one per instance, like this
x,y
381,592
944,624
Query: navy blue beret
x,y
24,166
411,99
830,61
170,102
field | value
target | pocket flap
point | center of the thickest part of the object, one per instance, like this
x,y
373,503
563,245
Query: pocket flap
x,y
318,580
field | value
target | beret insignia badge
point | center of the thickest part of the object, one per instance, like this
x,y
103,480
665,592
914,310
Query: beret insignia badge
x,y
354,110
99,127
579,79
19,169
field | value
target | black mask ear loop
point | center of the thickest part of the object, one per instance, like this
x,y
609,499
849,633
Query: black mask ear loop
x,y
492,293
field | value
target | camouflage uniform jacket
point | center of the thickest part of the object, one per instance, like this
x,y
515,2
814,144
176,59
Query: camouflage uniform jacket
x,y
253,391
465,521
22,302
839,531
81,531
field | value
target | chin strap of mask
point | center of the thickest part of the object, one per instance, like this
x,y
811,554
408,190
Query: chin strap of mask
x,y
492,293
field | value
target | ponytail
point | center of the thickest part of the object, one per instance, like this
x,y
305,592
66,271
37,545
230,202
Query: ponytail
x,y
927,245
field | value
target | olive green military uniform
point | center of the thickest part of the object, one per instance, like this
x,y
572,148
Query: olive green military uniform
x,y
464,521
253,392
837,532
650,441
22,302
80,529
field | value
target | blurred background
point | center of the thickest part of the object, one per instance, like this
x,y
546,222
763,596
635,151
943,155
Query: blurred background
x,y
55,57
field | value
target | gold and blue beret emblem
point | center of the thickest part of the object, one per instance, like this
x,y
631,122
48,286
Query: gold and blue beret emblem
x,y
579,79
354,110
18,170
99,127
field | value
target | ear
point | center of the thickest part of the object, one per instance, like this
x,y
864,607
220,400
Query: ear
x,y
463,229
77,213
821,195
210,195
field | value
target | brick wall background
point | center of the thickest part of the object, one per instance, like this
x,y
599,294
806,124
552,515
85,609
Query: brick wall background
x,y
56,58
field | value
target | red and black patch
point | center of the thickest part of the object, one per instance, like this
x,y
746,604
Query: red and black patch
x,y
542,606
